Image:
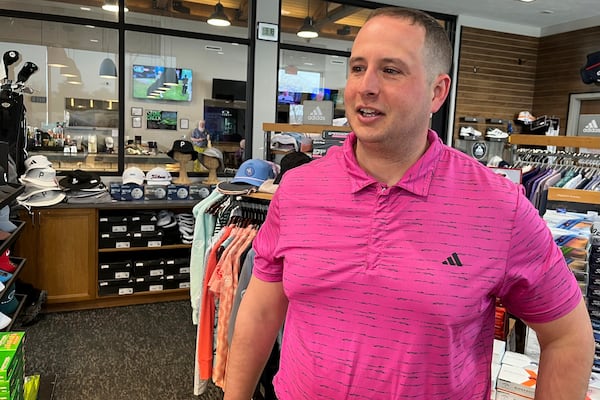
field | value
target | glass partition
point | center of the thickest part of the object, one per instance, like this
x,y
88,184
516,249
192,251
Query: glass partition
x,y
67,8
173,83
309,76
70,102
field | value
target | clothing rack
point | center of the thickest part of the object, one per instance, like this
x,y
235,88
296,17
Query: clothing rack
x,y
252,210
541,157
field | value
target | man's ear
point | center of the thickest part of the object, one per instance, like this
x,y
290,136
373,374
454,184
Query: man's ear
x,y
440,90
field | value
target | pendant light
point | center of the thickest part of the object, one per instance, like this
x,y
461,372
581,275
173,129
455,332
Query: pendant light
x,y
307,30
219,18
108,69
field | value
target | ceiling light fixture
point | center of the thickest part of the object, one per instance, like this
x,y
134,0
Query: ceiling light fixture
x,y
307,30
112,6
219,18
56,57
108,69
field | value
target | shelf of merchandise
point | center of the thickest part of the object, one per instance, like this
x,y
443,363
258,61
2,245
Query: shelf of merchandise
x,y
592,142
19,263
6,243
157,248
9,192
270,128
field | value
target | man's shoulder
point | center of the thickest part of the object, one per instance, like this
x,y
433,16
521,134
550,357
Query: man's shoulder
x,y
471,174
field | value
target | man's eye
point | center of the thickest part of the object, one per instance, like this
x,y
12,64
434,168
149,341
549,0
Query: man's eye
x,y
390,71
357,68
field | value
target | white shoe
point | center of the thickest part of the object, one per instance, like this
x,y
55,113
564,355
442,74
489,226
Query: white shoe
x,y
469,131
496,134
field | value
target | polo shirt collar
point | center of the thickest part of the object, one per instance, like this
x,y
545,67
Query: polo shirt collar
x,y
416,179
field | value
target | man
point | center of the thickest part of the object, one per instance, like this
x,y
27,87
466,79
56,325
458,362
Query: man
x,y
385,257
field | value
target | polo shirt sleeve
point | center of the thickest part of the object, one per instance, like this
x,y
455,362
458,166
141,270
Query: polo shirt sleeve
x,y
268,265
538,286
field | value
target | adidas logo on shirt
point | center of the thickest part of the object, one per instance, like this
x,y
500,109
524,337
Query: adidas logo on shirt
x,y
316,115
592,127
453,260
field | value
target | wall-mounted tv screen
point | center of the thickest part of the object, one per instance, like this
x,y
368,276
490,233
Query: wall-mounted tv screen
x,y
162,83
227,89
156,119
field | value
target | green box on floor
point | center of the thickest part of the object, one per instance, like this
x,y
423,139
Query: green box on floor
x,y
17,394
17,378
10,341
11,352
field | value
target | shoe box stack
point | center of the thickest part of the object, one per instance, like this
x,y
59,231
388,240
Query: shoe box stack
x,y
516,376
123,273
12,365
159,274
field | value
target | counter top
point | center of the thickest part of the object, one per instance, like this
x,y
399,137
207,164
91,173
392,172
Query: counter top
x,y
126,205
105,157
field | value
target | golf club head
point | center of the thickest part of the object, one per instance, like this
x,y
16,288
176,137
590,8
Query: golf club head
x,y
26,71
9,58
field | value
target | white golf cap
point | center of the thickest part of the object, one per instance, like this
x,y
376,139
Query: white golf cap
x,y
158,176
134,175
37,161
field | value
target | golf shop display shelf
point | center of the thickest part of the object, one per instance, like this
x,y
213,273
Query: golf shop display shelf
x,y
102,255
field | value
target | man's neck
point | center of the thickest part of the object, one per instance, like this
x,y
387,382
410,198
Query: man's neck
x,y
388,164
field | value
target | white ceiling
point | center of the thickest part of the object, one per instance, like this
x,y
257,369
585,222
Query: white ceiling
x,y
546,15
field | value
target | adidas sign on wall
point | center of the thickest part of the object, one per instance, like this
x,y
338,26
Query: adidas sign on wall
x,y
589,125
317,112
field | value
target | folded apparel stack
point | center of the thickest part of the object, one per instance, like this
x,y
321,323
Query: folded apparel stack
x,y
186,222
168,225
41,186
83,187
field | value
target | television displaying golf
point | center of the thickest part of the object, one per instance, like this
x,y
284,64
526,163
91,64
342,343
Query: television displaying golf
x,y
162,83
156,119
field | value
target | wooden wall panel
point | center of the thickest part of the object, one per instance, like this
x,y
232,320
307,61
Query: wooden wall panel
x,y
496,76
501,74
560,58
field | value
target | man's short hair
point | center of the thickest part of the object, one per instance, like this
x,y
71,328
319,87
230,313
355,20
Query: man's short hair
x,y
437,49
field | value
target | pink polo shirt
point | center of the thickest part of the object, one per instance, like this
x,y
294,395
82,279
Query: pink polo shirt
x,y
392,290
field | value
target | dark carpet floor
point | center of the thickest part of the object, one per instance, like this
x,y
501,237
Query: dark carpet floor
x,y
124,353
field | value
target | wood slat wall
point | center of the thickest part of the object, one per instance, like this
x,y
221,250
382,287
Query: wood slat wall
x,y
560,57
501,74
496,76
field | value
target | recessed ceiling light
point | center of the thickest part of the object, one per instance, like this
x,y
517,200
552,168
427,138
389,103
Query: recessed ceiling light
x,y
94,40
85,9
